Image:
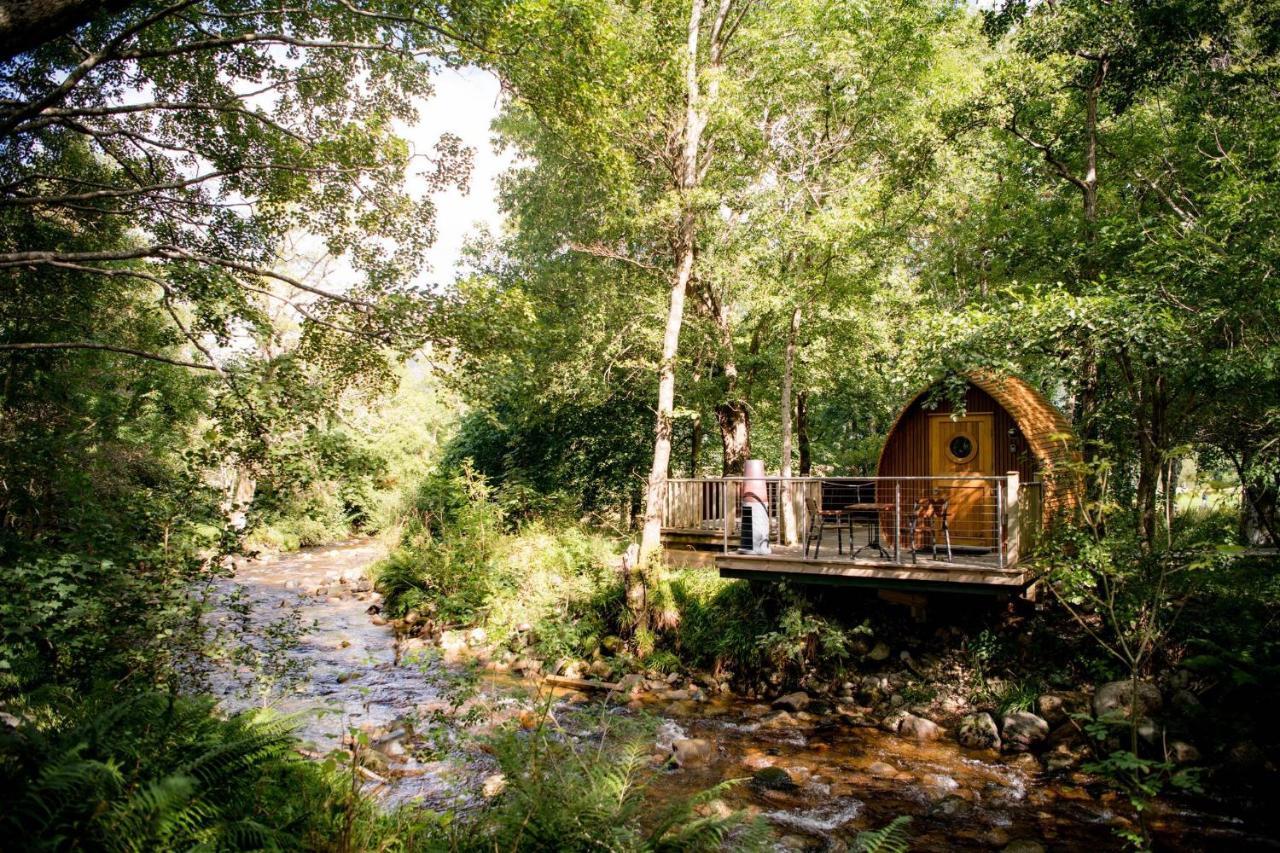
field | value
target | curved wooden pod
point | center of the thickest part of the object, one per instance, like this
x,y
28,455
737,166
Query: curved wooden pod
x,y
1028,435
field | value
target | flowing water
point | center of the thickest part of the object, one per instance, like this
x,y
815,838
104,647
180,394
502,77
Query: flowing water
x,y
345,673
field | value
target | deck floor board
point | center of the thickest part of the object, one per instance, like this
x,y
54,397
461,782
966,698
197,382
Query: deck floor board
x,y
967,570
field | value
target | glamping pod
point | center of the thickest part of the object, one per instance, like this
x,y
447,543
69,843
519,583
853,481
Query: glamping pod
x,y
964,456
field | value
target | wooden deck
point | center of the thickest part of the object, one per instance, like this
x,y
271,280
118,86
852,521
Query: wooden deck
x,y
968,572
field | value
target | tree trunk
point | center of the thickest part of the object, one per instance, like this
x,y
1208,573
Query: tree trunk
x,y
735,435
683,250
802,433
695,446
788,503
27,24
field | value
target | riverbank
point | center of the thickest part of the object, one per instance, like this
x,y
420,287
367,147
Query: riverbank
x,y
823,762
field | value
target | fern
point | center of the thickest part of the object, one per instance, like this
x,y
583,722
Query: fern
x,y
890,838
157,772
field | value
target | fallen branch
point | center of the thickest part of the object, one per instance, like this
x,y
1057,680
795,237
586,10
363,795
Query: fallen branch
x,y
579,683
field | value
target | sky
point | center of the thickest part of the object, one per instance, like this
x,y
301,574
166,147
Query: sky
x,y
465,103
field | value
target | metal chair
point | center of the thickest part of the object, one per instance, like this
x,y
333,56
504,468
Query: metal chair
x,y
817,527
931,512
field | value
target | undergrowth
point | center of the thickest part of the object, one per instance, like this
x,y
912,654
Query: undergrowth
x,y
162,772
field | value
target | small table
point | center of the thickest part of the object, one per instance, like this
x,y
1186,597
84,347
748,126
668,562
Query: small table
x,y
873,535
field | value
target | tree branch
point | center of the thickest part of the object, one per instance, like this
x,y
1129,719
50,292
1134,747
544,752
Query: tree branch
x,y
91,345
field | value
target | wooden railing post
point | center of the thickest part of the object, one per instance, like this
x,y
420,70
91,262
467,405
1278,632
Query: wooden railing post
x,y
1012,519
724,515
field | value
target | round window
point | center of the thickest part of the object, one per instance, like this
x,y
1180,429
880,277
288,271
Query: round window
x,y
961,447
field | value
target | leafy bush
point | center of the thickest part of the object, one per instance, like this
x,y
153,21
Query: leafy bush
x,y
758,628
73,618
457,562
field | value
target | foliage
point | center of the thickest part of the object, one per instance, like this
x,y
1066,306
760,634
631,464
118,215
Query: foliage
x,y
890,838
458,564
155,771
589,797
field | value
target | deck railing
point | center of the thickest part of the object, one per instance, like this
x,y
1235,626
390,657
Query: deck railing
x,y
886,517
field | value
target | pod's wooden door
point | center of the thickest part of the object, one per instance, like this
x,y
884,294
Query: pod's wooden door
x,y
963,448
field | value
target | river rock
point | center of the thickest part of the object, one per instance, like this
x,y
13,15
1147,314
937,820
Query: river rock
x,y
1053,709
601,669
691,752
978,731
1181,752
777,720
1186,705
879,652
477,637
797,701
882,770
452,642
1024,845
773,779
1116,698
630,682
1022,731
494,784
1062,757
918,728
527,666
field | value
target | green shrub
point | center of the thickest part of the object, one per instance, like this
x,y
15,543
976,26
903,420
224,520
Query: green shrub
x,y
457,562
72,618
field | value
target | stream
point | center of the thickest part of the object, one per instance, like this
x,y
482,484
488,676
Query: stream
x,y
318,654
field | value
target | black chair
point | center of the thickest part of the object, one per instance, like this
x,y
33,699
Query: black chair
x,y
819,518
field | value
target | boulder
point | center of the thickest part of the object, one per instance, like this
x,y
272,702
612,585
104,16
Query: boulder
x,y
797,701
1022,731
918,728
691,752
879,652
1117,698
601,669
453,641
478,637
978,731
612,644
